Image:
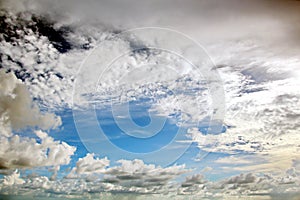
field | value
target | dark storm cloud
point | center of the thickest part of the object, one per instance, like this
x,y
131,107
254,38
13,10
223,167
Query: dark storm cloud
x,y
133,12
207,21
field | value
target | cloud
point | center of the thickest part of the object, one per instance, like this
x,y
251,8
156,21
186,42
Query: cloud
x,y
93,175
241,179
194,179
24,152
13,179
42,70
245,186
195,184
255,18
137,173
234,160
259,67
133,176
89,165
18,111
265,127
50,74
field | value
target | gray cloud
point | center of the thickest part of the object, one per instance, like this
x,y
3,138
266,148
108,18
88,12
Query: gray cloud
x,y
18,111
132,175
209,19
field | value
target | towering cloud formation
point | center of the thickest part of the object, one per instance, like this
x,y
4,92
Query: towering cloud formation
x,y
18,111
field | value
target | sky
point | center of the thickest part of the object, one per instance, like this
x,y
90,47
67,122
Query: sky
x,y
144,100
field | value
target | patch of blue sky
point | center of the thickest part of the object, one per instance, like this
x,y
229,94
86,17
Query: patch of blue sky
x,y
140,139
136,146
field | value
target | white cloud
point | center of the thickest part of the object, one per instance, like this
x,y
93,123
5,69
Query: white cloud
x,y
241,179
137,173
195,184
89,165
13,179
245,185
234,160
18,111
261,80
24,152
93,175
133,176
194,179
262,116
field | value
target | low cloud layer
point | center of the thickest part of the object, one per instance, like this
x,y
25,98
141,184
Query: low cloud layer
x,y
140,178
127,176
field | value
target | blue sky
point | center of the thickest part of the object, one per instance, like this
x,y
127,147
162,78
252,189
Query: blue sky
x,y
139,112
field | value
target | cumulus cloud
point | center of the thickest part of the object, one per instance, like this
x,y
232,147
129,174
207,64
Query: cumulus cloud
x,y
129,175
241,179
137,173
245,185
23,152
133,176
89,165
94,176
13,179
18,111
42,70
194,179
